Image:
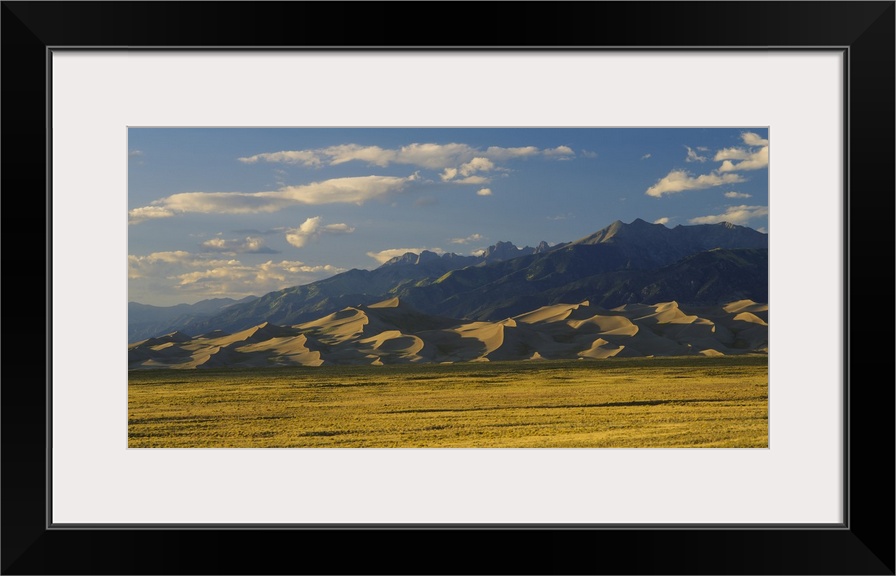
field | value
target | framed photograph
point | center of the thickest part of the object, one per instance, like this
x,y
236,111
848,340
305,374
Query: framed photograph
x,y
187,164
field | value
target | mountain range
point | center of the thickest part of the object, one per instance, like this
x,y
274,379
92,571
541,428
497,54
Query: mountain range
x,y
639,263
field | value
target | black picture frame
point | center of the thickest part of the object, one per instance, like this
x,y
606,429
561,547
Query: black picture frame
x,y
864,544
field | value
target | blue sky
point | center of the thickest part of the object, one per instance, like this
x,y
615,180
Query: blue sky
x,y
229,212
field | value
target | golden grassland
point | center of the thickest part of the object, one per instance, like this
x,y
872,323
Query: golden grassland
x,y
610,403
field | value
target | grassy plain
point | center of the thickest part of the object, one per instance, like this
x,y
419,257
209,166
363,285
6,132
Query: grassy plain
x,y
611,403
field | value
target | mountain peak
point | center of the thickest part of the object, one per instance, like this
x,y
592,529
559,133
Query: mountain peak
x,y
508,251
501,251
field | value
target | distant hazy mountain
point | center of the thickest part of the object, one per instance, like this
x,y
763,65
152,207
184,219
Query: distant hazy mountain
x,y
145,321
391,332
632,263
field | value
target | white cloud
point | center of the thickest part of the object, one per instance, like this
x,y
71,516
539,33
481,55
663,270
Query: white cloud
x,y
693,156
753,139
733,194
499,153
384,256
560,151
679,180
305,157
477,164
149,265
180,276
356,190
484,192
663,220
424,155
472,180
247,245
300,236
434,156
144,213
468,171
373,155
733,214
236,279
750,158
731,154
646,156
269,270
589,154
468,239
311,229
753,161
135,153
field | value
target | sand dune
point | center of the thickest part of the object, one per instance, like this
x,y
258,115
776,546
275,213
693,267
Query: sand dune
x,y
553,313
391,332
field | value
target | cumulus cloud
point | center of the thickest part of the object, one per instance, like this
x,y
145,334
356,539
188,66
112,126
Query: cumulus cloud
x,y
468,171
754,157
753,139
179,276
384,256
646,156
247,245
693,156
680,180
733,194
477,164
468,239
355,190
663,220
484,192
752,161
733,214
311,229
